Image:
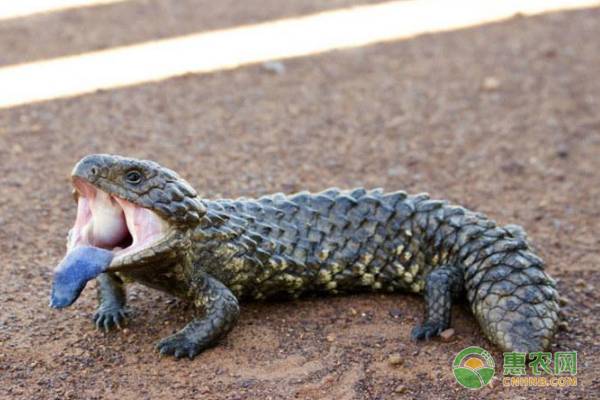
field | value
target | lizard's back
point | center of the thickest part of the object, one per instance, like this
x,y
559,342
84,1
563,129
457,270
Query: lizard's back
x,y
330,241
338,241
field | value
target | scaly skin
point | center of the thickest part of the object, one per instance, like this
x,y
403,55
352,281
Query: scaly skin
x,y
334,241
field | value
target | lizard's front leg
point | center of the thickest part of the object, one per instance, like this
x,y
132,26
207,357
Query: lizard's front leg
x,y
111,296
220,311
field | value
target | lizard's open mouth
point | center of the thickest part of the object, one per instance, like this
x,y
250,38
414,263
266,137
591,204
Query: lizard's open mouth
x,y
109,222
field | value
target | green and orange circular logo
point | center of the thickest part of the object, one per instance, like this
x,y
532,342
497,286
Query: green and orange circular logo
x,y
473,367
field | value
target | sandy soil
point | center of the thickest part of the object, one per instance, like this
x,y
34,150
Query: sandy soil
x,y
502,118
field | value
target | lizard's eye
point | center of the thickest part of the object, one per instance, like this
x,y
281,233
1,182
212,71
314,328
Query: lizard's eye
x,y
133,177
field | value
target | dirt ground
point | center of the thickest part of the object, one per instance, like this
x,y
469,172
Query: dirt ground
x,y
502,118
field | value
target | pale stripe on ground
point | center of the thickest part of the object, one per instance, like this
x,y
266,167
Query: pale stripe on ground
x,y
279,39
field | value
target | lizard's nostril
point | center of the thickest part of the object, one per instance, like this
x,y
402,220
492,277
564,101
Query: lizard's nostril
x,y
94,171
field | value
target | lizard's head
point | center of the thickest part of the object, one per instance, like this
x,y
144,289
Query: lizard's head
x,y
139,210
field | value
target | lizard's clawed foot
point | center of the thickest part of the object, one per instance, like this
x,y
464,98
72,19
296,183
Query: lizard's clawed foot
x,y
426,331
109,317
179,346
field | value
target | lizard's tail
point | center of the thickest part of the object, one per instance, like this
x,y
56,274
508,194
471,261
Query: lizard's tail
x,y
513,299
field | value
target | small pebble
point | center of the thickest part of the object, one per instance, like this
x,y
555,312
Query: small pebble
x,y
562,151
398,170
494,383
395,359
564,326
563,301
400,389
395,313
330,337
204,389
447,335
490,83
276,67
550,53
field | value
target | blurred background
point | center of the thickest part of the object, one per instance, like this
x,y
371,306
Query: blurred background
x,y
490,104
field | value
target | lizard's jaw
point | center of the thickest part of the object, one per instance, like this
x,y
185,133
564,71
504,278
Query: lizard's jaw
x,y
109,222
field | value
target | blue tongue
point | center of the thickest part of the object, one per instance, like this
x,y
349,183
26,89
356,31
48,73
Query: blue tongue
x,y
74,271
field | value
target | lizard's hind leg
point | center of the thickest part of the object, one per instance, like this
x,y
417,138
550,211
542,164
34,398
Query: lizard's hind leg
x,y
442,286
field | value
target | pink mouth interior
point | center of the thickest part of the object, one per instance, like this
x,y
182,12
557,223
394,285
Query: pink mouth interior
x,y
112,223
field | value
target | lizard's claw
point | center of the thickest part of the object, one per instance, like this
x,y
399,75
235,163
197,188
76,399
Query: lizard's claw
x,y
179,346
107,318
426,331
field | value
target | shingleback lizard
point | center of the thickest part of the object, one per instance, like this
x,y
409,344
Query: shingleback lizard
x,y
215,252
